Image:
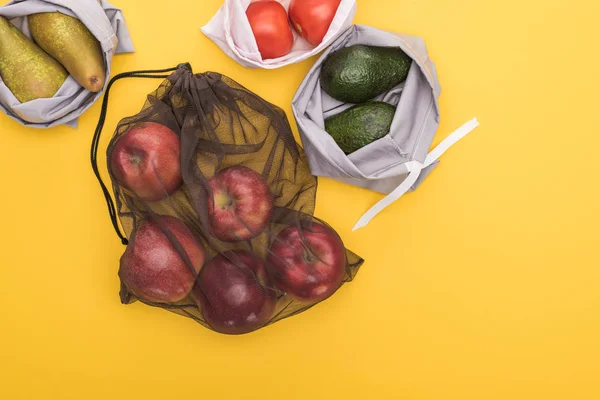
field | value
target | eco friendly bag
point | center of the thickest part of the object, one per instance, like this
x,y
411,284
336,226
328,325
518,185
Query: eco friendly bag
x,y
221,127
397,162
230,30
105,22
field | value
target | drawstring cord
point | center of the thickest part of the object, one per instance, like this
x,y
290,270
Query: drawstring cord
x,y
149,74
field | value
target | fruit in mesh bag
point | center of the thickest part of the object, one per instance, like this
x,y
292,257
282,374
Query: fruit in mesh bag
x,y
154,266
234,293
308,263
241,204
146,161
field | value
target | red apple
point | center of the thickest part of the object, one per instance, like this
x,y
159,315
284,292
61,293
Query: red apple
x,y
146,161
234,293
241,205
312,18
309,264
153,269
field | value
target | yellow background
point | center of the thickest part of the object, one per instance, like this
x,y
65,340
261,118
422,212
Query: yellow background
x,y
483,284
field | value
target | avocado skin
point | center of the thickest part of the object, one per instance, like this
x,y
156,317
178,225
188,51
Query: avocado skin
x,y
360,73
360,125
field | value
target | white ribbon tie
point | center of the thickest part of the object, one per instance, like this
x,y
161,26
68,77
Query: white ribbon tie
x,y
414,169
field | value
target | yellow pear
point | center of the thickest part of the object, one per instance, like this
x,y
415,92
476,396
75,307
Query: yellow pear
x,y
69,41
26,69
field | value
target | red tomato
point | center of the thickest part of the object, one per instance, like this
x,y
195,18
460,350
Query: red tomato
x,y
312,18
271,28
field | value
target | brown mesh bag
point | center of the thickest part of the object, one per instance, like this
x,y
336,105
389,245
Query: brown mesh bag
x,y
217,201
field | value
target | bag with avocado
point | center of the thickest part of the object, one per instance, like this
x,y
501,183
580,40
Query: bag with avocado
x,y
215,202
368,111
55,57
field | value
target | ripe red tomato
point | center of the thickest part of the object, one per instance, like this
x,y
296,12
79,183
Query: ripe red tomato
x,y
271,28
312,18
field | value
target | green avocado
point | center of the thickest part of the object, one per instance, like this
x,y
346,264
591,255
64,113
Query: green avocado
x,y
360,73
360,125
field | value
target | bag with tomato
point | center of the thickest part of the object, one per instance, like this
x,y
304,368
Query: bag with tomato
x,y
215,202
275,33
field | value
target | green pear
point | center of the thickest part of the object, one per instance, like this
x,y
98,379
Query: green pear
x,y
26,69
69,41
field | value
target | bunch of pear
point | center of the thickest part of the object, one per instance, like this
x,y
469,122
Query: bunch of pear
x,y
61,45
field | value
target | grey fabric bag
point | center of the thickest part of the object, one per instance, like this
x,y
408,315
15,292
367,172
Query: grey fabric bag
x,y
396,163
107,24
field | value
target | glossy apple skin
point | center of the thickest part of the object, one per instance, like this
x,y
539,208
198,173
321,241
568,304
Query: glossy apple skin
x,y
308,264
241,205
234,293
151,267
146,161
271,29
312,18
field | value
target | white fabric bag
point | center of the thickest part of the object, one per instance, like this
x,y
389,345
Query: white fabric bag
x,y
230,30
401,160
107,24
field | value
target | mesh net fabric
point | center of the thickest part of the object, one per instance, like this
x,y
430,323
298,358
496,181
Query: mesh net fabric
x,y
221,124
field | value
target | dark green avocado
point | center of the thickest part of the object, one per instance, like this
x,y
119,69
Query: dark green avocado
x,y
360,73
360,125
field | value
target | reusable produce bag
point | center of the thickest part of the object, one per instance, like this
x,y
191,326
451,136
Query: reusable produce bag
x,y
397,162
107,24
230,30
222,127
